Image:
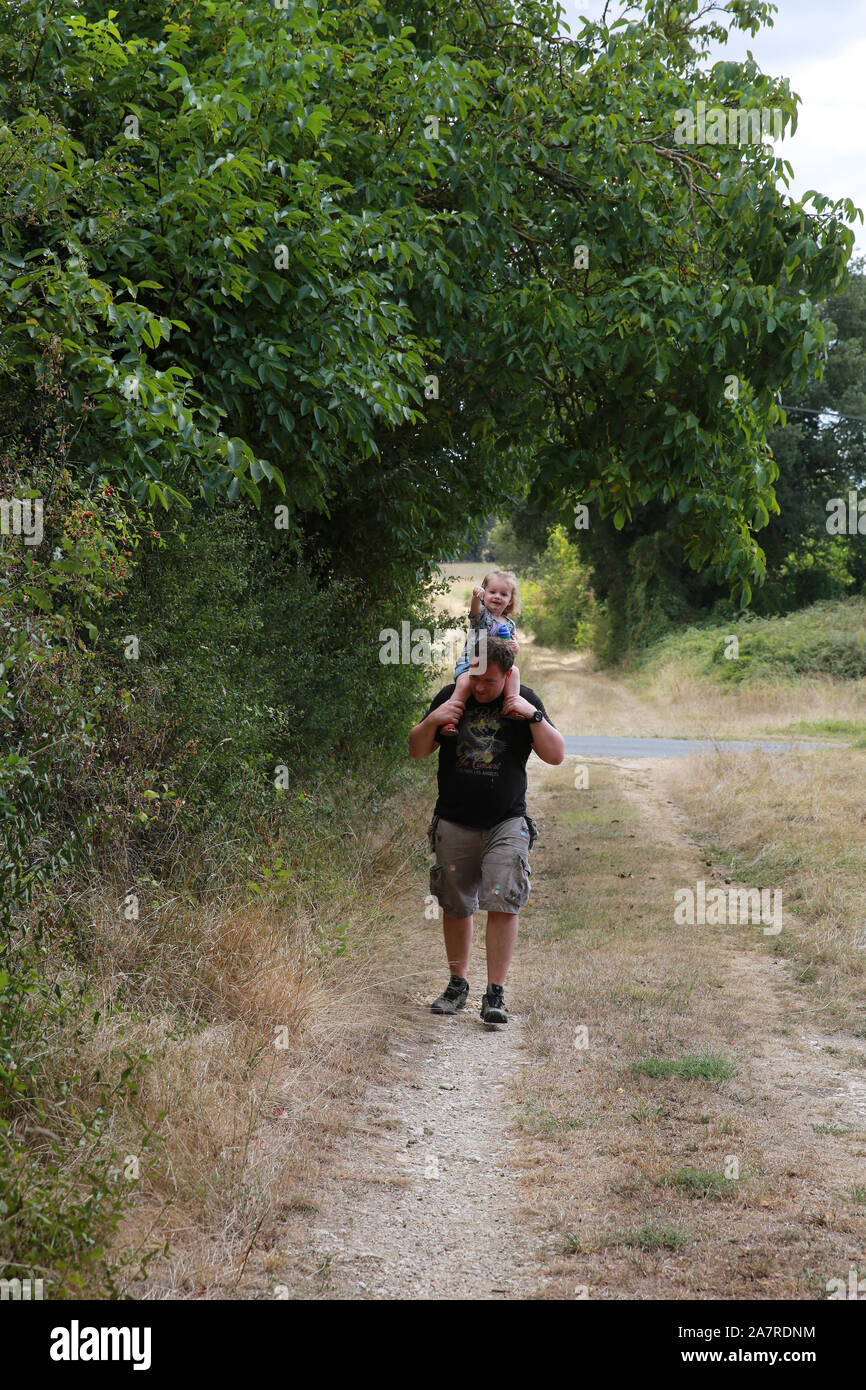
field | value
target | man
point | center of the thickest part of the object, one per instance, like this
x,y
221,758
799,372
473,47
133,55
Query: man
x,y
480,832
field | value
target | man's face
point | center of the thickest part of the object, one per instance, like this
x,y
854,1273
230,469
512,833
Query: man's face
x,y
488,686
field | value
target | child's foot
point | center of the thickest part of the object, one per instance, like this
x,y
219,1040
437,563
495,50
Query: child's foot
x,y
447,731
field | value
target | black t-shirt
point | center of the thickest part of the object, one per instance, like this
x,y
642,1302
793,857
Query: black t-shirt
x,y
482,772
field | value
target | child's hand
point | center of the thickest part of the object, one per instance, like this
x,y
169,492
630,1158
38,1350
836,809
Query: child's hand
x,y
478,593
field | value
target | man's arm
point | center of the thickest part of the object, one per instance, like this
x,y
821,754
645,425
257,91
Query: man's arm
x,y
546,740
422,739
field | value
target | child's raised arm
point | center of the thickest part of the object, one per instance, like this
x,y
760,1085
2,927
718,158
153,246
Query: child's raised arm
x,y
477,601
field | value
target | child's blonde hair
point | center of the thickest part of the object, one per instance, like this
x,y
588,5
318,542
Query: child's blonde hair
x,y
513,608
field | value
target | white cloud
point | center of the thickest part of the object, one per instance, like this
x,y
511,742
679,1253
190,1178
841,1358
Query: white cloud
x,y
827,151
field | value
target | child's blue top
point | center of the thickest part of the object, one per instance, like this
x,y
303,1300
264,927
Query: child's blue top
x,y
476,622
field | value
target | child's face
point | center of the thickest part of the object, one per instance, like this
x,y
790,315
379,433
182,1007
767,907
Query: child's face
x,y
497,597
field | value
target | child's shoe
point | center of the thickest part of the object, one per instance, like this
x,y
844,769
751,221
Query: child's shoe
x,y
447,731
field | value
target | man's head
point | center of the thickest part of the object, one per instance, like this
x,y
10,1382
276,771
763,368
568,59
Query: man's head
x,y
489,683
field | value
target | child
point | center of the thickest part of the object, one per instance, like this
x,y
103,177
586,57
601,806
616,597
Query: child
x,y
491,607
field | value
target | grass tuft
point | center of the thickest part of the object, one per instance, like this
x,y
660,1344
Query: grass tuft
x,y
700,1182
654,1237
707,1066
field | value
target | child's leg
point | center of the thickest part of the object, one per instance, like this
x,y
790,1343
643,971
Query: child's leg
x,y
462,691
512,686
462,687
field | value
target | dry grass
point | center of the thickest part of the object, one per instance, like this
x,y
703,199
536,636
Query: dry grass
x,y
796,822
263,1018
701,708
629,1170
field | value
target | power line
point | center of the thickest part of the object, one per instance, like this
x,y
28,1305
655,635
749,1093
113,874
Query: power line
x,y
804,410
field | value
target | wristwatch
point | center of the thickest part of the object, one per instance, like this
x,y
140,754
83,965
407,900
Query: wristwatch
x,y
536,718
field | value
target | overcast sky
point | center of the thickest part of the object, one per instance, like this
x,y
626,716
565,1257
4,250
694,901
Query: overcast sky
x,y
821,49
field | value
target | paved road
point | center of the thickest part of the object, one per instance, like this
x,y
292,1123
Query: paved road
x,y
593,746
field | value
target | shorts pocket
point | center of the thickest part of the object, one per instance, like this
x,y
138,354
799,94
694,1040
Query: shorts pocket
x,y
519,883
436,882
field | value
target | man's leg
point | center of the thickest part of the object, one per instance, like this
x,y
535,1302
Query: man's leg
x,y
501,939
505,876
458,942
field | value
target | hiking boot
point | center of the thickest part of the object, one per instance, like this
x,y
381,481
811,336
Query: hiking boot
x,y
453,997
447,731
493,1008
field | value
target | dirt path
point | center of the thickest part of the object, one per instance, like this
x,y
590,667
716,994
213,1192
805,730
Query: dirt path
x,y
426,1204
521,1164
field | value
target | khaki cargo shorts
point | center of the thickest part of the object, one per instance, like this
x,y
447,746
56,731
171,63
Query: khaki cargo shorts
x,y
481,869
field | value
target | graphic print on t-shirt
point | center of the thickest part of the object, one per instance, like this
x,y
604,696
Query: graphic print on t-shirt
x,y
482,773
480,743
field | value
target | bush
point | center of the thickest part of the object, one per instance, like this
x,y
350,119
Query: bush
x,y
558,605
256,683
61,1198
818,571
827,639
157,770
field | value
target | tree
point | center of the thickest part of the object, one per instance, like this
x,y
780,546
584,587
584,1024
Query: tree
x,y
257,251
821,454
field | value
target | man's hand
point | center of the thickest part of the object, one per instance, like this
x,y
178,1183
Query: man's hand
x,y
515,707
547,741
422,739
450,712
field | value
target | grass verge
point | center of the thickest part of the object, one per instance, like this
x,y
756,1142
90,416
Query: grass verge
x,y
721,1150
220,1036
